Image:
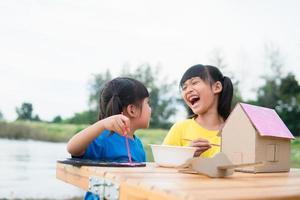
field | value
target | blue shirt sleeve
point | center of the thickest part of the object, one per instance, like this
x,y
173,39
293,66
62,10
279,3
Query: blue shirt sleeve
x,y
95,150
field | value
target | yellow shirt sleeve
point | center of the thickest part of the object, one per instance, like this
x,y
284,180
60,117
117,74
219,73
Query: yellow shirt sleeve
x,y
174,135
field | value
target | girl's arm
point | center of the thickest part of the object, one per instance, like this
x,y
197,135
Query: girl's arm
x,y
79,142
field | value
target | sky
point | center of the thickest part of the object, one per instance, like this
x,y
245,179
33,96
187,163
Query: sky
x,y
49,49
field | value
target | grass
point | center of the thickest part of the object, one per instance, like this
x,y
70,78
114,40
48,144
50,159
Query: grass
x,y
151,136
63,132
38,131
295,153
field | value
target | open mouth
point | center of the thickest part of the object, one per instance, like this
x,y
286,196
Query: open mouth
x,y
194,99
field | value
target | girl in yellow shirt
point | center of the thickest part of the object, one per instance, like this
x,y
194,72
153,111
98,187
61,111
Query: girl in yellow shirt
x,y
208,94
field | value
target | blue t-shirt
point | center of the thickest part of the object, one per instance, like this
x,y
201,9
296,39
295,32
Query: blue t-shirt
x,y
112,148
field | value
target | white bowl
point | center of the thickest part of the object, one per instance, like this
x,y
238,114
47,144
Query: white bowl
x,y
171,156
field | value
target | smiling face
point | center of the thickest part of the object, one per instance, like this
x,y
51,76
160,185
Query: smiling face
x,y
199,95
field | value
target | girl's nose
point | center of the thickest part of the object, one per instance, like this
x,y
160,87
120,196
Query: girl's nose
x,y
189,88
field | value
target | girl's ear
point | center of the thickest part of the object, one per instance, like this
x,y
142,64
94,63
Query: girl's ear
x,y
132,110
217,87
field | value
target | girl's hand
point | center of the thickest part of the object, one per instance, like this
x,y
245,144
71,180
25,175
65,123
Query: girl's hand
x,y
201,144
117,123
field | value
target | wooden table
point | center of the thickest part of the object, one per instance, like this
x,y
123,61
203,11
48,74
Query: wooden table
x,y
159,183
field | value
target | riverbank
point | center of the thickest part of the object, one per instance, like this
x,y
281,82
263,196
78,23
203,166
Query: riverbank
x,y
59,132
55,132
51,132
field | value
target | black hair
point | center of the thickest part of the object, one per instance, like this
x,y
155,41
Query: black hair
x,y
211,75
119,93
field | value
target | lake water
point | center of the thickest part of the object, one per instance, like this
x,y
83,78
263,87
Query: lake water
x,y
27,170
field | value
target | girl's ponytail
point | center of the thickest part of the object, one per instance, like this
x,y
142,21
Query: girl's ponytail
x,y
114,106
224,105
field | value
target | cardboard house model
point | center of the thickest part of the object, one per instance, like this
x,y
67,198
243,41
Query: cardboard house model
x,y
254,134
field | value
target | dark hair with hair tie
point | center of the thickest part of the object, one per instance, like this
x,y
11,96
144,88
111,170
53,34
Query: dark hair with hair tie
x,y
119,93
211,75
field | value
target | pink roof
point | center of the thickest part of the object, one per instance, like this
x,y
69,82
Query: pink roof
x,y
266,121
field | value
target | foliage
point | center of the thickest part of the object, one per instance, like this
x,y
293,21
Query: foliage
x,y
284,96
36,118
96,84
57,119
281,92
163,103
161,100
85,117
25,111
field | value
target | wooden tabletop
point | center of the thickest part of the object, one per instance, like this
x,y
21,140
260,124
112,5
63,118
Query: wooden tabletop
x,y
153,182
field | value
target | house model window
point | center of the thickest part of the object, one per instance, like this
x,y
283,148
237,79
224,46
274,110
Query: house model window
x,y
272,154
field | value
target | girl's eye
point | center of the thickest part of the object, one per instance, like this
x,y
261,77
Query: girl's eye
x,y
148,102
184,88
195,82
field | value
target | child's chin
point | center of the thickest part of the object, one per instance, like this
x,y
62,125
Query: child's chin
x,y
195,111
146,126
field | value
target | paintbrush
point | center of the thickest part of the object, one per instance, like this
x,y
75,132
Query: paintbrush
x,y
212,144
127,144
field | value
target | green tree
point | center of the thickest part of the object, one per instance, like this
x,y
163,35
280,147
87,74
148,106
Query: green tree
x,y
163,103
269,94
284,97
161,98
86,117
57,119
36,118
95,86
289,103
1,116
25,111
280,92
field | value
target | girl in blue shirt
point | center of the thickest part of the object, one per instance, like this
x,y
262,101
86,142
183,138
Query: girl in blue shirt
x,y
124,108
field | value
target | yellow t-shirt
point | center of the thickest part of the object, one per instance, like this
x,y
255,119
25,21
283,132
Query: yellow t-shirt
x,y
183,131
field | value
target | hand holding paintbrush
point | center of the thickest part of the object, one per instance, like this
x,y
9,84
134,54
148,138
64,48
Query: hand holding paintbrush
x,y
201,144
212,144
120,124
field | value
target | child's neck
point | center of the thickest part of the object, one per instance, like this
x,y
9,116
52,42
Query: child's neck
x,y
130,133
210,120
